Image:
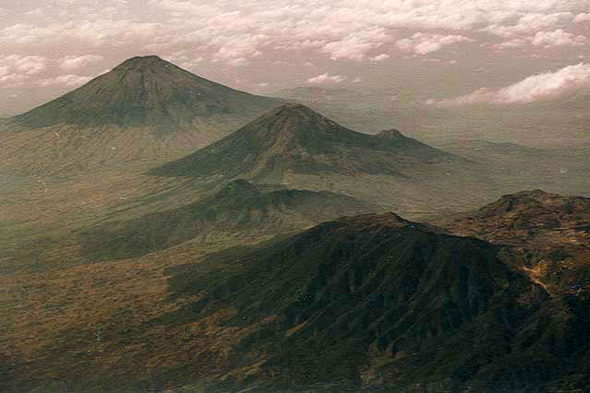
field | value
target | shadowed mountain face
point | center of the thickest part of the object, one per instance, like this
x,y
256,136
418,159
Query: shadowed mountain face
x,y
145,91
551,231
526,212
295,139
238,210
144,109
378,302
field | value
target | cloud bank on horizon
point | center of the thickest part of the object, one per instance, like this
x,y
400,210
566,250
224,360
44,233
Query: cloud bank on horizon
x,y
65,42
539,87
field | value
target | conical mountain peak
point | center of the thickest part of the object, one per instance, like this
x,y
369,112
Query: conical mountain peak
x,y
147,91
293,109
295,139
291,125
143,62
392,134
293,113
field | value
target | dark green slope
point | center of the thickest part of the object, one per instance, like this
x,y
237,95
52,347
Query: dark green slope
x,y
293,138
378,303
238,210
146,91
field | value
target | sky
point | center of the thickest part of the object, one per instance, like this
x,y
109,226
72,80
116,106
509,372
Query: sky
x,y
436,52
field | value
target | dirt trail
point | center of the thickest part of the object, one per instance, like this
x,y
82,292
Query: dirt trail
x,y
534,277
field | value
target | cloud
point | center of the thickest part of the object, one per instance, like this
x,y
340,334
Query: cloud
x,y
254,34
422,43
71,63
546,39
28,65
37,13
11,79
582,17
529,23
355,46
326,78
65,80
237,33
185,59
237,50
16,69
558,38
538,87
96,33
381,57
353,30
515,43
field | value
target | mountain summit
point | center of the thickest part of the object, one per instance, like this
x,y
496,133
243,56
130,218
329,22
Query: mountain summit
x,y
146,91
145,110
294,139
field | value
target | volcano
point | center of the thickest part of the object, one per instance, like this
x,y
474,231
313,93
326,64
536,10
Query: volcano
x,y
144,109
294,139
146,91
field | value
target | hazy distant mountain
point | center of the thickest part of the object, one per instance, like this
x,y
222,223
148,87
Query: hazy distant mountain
x,y
483,148
238,210
518,167
313,94
552,123
145,108
295,139
380,303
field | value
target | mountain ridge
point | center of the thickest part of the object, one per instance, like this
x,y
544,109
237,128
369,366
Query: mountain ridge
x,y
372,303
295,138
550,231
239,210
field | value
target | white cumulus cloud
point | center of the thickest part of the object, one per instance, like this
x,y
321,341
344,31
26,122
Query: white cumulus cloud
x,y
558,38
381,57
16,69
326,78
422,43
235,33
582,17
71,63
538,87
